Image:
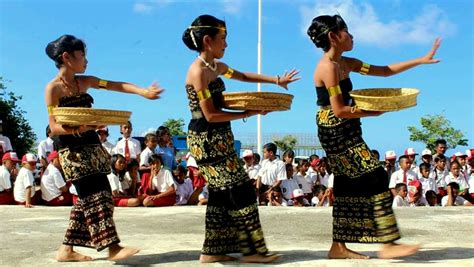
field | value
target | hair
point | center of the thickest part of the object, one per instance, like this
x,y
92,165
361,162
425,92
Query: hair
x,y
162,130
455,161
154,158
289,153
375,153
149,136
312,157
425,166
66,43
129,124
289,167
181,169
270,147
319,188
320,28
439,157
303,162
193,36
454,185
256,157
430,194
276,189
440,141
48,131
399,187
132,163
113,160
403,157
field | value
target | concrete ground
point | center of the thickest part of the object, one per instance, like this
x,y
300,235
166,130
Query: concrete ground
x,y
173,236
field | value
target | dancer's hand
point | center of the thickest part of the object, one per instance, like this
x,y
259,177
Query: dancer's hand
x,y
152,92
287,78
428,58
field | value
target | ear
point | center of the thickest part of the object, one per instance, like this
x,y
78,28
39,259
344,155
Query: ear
x,y
206,41
333,37
65,56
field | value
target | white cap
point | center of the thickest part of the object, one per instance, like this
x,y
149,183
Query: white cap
x,y
28,157
247,153
460,154
410,151
425,152
390,155
468,153
191,162
297,193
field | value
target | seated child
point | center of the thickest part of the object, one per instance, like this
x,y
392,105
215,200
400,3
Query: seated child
x,y
452,198
24,188
203,196
184,187
415,194
321,196
54,190
132,178
431,198
298,198
288,185
456,176
161,190
119,185
400,198
275,197
7,170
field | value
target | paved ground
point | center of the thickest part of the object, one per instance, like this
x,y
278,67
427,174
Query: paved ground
x,y
173,236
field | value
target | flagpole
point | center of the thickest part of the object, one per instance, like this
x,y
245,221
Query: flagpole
x,y
259,71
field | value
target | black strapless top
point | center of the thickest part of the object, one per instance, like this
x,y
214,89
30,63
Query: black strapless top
x,y
88,138
323,94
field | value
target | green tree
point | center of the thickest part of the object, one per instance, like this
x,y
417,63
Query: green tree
x,y
436,127
15,126
286,142
175,126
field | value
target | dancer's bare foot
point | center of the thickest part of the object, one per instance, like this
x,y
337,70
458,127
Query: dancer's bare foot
x,y
394,250
258,258
340,251
117,252
66,253
215,258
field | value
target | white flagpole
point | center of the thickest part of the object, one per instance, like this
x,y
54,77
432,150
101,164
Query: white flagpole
x,y
259,71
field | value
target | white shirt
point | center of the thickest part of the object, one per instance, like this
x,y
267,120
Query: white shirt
x,y
184,191
460,201
324,179
331,181
397,177
471,183
108,146
287,186
115,183
428,184
23,180
45,147
420,203
146,153
460,180
162,181
72,190
272,171
51,181
134,147
5,142
128,178
303,184
204,194
252,171
5,182
315,202
398,201
440,177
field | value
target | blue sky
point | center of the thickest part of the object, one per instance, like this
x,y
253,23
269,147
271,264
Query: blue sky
x,y
140,42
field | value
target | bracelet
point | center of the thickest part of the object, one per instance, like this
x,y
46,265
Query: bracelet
x,y
353,109
278,80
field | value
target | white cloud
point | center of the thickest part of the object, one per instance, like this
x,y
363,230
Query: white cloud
x,y
367,27
142,8
147,6
232,7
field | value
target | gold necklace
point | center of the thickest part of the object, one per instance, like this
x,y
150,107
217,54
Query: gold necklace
x,y
70,88
213,68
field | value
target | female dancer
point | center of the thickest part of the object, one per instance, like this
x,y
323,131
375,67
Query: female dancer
x,y
232,222
362,207
85,162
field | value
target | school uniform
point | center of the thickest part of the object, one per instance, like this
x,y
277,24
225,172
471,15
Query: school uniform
x,y
51,181
460,180
399,201
272,171
184,191
428,184
5,184
45,147
134,147
401,176
459,201
23,180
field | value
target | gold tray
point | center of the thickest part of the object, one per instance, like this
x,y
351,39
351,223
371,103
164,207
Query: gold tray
x,y
385,99
90,116
264,101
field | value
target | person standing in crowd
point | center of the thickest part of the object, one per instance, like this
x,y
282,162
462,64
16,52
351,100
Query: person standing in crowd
x,y
128,147
103,133
403,175
360,183
250,167
5,143
232,221
440,148
45,147
54,190
150,142
83,159
7,170
410,153
164,149
390,162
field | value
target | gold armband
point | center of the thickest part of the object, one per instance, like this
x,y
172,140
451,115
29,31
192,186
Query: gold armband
x,y
364,69
334,90
204,94
228,74
103,84
50,109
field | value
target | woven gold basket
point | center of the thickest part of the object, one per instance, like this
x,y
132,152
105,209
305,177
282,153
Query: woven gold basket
x,y
90,116
385,99
264,101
